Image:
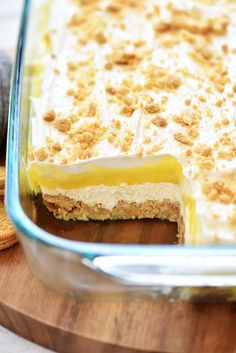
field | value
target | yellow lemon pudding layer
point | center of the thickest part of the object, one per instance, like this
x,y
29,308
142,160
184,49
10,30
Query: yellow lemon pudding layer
x,y
134,106
110,172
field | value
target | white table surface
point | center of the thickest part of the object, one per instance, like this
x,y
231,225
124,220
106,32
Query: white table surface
x,y
9,22
11,343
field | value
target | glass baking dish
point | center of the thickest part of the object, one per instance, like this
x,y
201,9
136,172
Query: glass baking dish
x,y
85,269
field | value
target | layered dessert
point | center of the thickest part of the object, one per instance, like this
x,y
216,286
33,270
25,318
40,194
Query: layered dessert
x,y
134,114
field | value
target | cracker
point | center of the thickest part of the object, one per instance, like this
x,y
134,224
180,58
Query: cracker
x,y
8,243
2,176
8,235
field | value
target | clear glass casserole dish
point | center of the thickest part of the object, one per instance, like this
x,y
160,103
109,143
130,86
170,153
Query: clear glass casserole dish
x,y
84,269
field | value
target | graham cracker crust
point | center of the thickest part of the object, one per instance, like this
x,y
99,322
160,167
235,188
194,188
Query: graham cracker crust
x,y
67,209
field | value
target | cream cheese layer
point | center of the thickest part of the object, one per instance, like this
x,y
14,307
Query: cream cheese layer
x,y
133,80
109,196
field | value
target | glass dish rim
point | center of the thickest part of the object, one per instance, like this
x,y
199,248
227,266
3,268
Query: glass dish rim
x,y
31,230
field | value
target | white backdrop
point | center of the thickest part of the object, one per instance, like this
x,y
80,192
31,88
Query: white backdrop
x,y
9,21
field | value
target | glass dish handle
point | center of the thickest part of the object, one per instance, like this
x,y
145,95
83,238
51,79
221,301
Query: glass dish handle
x,y
167,271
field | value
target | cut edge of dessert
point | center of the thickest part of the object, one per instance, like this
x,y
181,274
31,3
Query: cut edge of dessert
x,y
154,188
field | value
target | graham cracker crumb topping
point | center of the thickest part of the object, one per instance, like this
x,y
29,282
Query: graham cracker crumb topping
x,y
62,124
219,191
49,116
41,154
182,139
159,121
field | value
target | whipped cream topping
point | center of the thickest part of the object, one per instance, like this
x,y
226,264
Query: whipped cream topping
x,y
160,79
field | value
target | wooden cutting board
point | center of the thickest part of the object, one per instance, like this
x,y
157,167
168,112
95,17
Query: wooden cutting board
x,y
66,325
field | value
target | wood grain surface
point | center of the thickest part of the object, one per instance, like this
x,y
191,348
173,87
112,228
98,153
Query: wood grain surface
x,y
66,325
